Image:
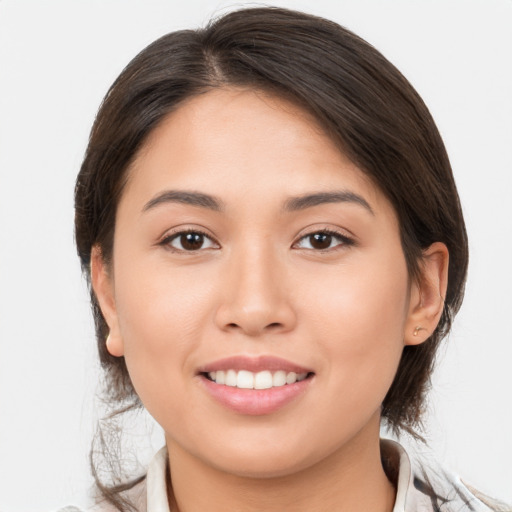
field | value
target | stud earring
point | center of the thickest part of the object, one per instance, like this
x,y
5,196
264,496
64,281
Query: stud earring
x,y
418,329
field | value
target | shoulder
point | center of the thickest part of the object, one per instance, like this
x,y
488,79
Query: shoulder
x,y
136,497
423,485
150,493
493,504
447,492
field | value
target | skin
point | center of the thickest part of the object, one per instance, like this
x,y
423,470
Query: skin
x,y
259,287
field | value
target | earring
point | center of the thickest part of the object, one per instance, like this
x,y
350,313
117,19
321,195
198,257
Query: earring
x,y
418,329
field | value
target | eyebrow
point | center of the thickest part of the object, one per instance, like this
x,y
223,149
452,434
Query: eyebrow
x,y
292,204
190,198
318,198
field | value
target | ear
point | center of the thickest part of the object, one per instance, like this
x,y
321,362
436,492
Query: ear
x,y
103,286
427,295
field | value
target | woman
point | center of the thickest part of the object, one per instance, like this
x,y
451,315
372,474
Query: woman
x,y
269,223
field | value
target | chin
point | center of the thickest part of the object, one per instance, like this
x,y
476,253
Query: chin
x,y
262,467
261,459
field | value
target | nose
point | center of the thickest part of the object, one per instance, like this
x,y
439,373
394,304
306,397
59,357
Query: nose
x,y
256,298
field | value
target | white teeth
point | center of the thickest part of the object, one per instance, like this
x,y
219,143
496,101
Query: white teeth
x,y
279,378
265,379
230,378
245,380
291,377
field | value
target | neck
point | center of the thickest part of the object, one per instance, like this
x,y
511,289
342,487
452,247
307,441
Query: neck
x,y
351,479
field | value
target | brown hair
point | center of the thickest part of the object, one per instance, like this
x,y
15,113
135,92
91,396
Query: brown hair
x,y
362,101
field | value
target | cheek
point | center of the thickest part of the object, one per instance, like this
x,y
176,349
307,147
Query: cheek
x,y
162,315
155,297
359,318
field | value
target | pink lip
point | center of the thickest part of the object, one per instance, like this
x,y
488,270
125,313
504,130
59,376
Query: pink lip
x,y
253,364
254,401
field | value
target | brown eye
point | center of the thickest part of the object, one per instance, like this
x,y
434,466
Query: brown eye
x,y
320,240
189,241
323,240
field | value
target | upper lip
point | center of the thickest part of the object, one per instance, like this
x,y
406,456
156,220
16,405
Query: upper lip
x,y
253,364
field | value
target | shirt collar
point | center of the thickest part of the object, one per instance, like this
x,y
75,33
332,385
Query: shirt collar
x,y
409,496
156,483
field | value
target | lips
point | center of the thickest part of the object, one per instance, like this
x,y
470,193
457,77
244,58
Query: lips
x,y
255,385
254,364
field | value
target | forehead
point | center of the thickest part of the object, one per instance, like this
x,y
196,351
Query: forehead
x,y
232,140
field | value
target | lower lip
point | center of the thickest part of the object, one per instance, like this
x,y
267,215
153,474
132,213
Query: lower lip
x,y
255,402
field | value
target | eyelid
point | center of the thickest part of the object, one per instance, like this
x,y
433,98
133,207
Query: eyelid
x,y
173,233
346,240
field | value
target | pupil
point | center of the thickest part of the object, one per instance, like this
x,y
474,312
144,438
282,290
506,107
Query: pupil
x,y
192,241
320,240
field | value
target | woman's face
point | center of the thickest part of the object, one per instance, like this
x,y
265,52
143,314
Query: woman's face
x,y
249,250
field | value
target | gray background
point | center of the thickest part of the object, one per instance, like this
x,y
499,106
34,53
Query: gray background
x,y
57,60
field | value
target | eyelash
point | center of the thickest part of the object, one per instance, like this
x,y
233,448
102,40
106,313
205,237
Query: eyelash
x,y
342,239
166,242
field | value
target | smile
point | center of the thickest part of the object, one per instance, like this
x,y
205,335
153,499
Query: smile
x,y
244,379
255,385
